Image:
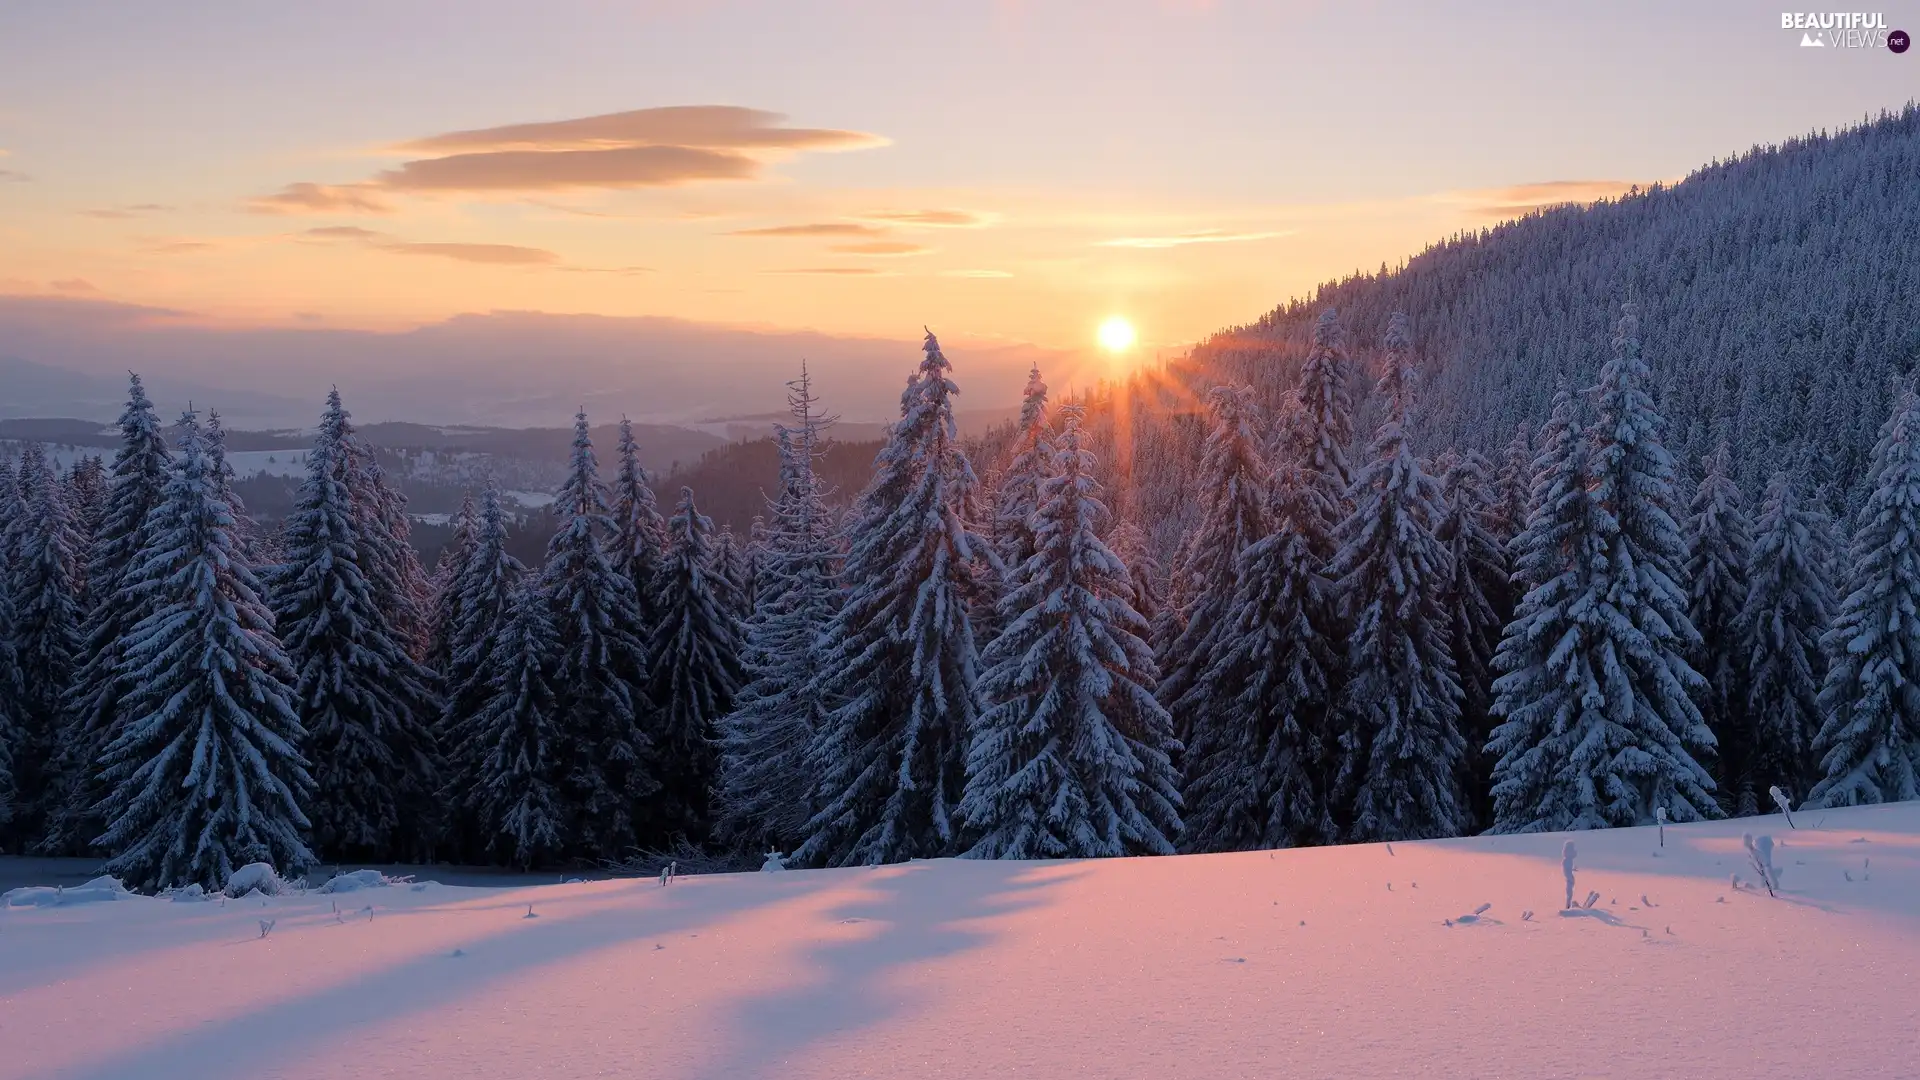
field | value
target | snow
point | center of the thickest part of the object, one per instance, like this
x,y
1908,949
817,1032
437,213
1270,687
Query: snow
x,y
100,889
530,500
1253,964
255,876
355,880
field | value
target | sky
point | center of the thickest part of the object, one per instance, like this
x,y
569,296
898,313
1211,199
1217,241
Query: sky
x,y
1007,173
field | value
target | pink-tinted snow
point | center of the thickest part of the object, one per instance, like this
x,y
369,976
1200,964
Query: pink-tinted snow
x,y
1290,964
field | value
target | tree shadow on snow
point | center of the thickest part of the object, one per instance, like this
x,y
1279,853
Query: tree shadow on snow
x,y
505,949
922,917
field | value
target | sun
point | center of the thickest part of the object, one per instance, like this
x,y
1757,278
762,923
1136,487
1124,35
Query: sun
x,y
1116,334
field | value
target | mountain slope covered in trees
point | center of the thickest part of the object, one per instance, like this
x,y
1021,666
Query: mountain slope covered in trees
x,y
1781,290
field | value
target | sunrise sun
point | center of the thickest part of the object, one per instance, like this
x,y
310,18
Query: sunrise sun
x,y
1117,335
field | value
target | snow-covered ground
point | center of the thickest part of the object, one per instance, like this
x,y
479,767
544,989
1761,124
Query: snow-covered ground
x,y
1351,962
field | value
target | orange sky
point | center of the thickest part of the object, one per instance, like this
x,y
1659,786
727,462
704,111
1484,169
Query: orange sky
x,y
1009,172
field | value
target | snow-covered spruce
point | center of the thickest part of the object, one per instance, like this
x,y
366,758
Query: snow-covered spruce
x,y
1869,741
511,791
481,602
766,790
1475,588
1397,743
447,572
1643,671
365,704
1321,426
92,706
694,660
1017,495
387,556
1719,544
1598,729
10,696
601,677
204,773
899,660
1789,605
639,532
731,573
1233,495
1512,488
1071,755
1255,768
47,577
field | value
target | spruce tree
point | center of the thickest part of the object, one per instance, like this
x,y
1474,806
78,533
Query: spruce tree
x,y
87,494
1647,681
1070,756
1788,607
391,565
137,484
1398,744
47,636
766,789
1512,488
514,789
600,678
1232,493
1321,426
359,694
899,661
1017,495
204,772
11,693
640,533
1255,771
730,577
1546,695
1476,583
1130,543
447,572
1597,726
479,603
695,663
1719,544
1869,740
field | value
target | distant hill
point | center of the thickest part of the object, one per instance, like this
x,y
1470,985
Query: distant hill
x,y
732,484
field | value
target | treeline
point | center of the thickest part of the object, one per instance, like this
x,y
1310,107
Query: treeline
x,y
1353,643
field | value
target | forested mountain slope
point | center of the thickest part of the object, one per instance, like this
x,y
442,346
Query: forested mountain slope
x,y
1780,301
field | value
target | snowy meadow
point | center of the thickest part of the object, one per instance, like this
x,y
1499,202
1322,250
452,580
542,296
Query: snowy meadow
x,y
1438,958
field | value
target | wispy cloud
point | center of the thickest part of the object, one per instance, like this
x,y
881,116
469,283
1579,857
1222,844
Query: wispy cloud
x,y
836,271
122,213
975,273
12,176
487,254
180,247
344,232
490,254
943,218
306,198
623,270
640,148
882,247
818,228
75,285
1204,236
727,127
